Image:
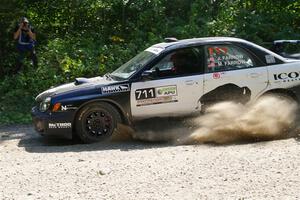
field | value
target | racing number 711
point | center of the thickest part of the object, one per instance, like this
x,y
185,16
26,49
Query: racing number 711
x,y
145,93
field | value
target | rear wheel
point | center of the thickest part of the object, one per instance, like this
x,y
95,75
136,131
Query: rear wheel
x,y
96,122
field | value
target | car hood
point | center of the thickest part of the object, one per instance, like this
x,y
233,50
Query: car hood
x,y
79,84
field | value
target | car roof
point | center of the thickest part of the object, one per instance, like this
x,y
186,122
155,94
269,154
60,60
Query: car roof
x,y
204,40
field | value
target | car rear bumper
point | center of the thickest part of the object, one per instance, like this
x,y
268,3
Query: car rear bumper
x,y
56,124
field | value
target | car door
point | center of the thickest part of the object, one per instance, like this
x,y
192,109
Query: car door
x,y
175,88
232,74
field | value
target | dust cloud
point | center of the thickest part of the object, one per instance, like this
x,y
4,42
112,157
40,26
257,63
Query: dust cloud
x,y
268,118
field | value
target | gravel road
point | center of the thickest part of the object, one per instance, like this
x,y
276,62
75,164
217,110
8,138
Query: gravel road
x,y
33,167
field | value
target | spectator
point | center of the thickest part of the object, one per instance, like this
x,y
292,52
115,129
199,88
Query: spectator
x,y
26,40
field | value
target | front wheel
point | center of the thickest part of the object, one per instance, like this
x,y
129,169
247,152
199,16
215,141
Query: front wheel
x,y
96,122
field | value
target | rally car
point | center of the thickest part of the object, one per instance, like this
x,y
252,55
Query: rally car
x,y
171,79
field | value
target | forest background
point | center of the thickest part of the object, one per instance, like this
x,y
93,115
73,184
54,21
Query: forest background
x,y
87,38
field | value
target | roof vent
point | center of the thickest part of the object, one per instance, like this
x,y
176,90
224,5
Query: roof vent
x,y
171,39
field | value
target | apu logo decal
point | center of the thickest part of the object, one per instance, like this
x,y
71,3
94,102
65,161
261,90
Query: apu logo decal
x,y
291,76
115,88
167,91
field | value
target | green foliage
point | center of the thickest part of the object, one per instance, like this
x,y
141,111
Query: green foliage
x,y
89,38
18,93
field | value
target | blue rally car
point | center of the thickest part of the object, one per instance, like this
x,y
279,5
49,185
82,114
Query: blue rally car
x,y
171,79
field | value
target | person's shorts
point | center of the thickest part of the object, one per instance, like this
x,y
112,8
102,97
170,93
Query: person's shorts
x,y
25,47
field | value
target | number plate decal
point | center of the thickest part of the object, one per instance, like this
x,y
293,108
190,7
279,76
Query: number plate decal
x,y
150,96
146,93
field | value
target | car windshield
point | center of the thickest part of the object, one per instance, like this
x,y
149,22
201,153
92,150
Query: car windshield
x,y
133,65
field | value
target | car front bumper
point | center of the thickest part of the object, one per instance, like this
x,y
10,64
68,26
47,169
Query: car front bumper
x,y
50,123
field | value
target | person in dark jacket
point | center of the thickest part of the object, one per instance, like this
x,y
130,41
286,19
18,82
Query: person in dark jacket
x,y
25,36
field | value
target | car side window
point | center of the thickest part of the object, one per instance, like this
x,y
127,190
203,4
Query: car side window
x,y
178,63
227,57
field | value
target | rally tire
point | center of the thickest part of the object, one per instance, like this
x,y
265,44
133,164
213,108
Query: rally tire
x,y
96,122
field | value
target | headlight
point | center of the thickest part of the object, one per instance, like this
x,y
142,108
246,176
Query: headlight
x,y
45,104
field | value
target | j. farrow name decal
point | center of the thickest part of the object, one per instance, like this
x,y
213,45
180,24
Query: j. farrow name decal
x,y
115,88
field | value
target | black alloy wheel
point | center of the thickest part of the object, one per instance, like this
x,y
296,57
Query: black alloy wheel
x,y
97,122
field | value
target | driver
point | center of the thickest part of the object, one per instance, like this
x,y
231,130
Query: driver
x,y
178,60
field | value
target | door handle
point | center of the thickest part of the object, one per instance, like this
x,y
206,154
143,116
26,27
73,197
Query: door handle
x,y
189,82
254,75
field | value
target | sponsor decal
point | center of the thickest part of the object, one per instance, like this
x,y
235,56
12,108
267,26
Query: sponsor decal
x,y
150,96
166,91
217,50
67,107
157,100
155,50
59,125
63,108
287,76
216,75
115,88
270,59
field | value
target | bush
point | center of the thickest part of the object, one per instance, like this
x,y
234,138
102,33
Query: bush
x,y
93,37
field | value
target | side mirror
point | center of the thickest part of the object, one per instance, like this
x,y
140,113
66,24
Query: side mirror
x,y
147,75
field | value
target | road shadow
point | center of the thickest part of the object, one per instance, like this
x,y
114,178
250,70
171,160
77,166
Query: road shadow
x,y
34,143
124,140
54,145
148,136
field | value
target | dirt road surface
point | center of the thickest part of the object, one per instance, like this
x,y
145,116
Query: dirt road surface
x,y
33,167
